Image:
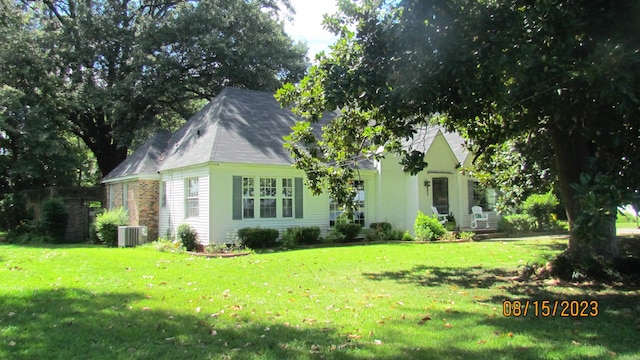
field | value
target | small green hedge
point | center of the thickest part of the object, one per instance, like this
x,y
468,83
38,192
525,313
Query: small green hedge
x,y
107,223
188,236
517,223
427,228
55,219
380,226
350,231
301,236
540,207
256,238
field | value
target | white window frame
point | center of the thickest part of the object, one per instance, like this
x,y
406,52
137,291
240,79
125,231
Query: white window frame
x,y
257,190
163,194
191,197
286,192
248,198
268,197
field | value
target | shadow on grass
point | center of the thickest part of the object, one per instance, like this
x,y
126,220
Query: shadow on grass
x,y
470,277
72,323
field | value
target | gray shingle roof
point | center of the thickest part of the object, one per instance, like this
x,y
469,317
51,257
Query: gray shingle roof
x,y
238,125
145,160
241,126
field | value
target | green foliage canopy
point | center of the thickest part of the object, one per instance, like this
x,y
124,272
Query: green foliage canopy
x,y
106,69
496,72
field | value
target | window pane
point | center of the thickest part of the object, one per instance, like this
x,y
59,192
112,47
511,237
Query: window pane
x,y
287,208
192,208
247,187
247,208
193,188
267,208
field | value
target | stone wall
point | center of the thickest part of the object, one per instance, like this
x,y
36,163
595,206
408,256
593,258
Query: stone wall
x,y
76,201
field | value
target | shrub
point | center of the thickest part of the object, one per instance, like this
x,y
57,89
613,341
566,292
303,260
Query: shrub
x,y
13,211
518,223
54,219
407,236
380,226
334,236
107,225
540,206
393,234
256,237
164,244
350,231
301,236
466,235
188,237
428,228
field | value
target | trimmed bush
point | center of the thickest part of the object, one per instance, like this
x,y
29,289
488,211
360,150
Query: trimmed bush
x,y
256,238
407,236
427,228
518,223
334,236
54,220
350,231
301,236
380,226
188,236
540,206
107,223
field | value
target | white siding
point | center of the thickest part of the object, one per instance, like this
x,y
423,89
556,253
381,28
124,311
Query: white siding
x,y
315,208
173,215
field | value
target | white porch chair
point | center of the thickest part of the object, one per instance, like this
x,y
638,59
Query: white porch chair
x,y
442,218
478,215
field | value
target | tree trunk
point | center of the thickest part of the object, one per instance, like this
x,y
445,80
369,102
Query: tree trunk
x,y
572,152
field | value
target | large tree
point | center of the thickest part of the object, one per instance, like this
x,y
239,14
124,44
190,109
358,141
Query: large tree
x,y
565,72
107,69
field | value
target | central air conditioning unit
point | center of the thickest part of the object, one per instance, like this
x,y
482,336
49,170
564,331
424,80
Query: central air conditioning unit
x,y
130,236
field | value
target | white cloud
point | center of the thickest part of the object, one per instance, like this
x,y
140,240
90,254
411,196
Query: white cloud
x,y
307,24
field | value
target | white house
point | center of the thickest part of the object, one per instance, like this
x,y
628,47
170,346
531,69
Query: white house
x,y
226,169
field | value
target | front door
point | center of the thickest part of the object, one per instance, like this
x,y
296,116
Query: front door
x,y
441,195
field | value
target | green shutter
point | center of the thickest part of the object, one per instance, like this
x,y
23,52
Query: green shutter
x,y
298,191
237,198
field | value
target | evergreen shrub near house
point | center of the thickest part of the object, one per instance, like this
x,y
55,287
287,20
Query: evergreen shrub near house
x,y
107,223
54,220
380,226
256,237
334,236
540,206
188,236
517,223
427,228
301,236
350,231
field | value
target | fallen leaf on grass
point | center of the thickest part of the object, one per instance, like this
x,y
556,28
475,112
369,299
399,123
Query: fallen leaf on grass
x,y
448,326
354,336
482,342
377,342
424,319
214,333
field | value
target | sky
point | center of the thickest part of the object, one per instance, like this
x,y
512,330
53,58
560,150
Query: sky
x,y
307,24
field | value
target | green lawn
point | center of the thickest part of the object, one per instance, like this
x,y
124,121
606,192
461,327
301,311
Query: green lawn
x,y
391,301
